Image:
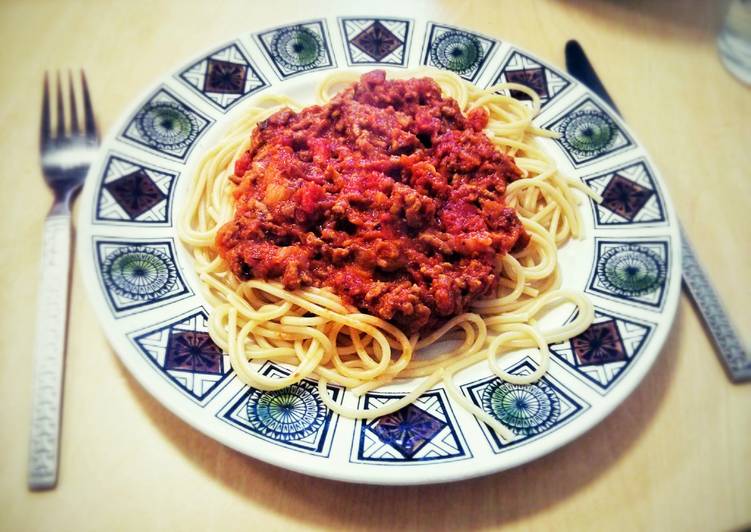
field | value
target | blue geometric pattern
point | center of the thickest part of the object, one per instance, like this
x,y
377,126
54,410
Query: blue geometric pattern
x,y
139,275
634,271
294,416
456,50
150,295
522,69
528,410
420,432
376,41
297,48
166,125
603,353
224,77
629,196
185,355
588,133
524,409
130,191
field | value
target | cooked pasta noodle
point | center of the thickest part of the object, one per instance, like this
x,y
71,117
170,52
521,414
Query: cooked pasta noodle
x,y
321,337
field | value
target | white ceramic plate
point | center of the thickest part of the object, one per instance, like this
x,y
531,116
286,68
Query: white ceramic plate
x,y
143,287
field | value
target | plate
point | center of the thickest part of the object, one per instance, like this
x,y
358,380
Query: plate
x,y
144,290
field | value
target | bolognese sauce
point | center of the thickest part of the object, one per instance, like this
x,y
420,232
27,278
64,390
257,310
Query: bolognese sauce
x,y
388,194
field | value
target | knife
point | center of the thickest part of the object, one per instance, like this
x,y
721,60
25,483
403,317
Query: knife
x,y
706,300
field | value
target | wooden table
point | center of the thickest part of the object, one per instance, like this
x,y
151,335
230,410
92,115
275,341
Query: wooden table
x,y
676,455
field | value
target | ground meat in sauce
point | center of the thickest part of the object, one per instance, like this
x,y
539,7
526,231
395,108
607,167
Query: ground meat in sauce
x,y
388,194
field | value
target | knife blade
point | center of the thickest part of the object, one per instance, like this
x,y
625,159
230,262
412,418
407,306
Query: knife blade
x,y
706,300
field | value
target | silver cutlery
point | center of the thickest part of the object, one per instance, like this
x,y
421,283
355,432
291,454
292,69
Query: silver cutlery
x,y
66,156
732,353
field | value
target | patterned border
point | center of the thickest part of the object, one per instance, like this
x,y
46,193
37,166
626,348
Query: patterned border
x,y
311,431
639,274
544,79
146,122
470,73
324,59
241,93
611,343
424,431
139,275
154,343
470,467
627,200
368,57
568,406
588,133
118,214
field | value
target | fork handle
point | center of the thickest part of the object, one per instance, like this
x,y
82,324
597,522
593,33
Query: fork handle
x,y
49,351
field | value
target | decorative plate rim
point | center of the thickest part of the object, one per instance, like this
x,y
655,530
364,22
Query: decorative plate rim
x,y
373,473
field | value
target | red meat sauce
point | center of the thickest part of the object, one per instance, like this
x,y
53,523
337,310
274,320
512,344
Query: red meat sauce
x,y
388,195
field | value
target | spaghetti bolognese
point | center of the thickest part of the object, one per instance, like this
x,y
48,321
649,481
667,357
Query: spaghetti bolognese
x,y
395,218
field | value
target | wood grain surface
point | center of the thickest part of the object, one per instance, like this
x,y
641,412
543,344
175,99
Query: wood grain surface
x,y
675,456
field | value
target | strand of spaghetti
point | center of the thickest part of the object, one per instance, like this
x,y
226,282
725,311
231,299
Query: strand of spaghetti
x,y
454,393
365,387
391,329
322,92
187,233
528,149
361,351
244,370
517,332
544,213
560,202
372,413
208,265
311,300
420,368
526,289
511,266
536,102
542,242
358,321
318,334
584,317
263,382
243,306
350,348
441,331
451,85
310,321
369,373
475,341
327,302
583,188
269,353
334,377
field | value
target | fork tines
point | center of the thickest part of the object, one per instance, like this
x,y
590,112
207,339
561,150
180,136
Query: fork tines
x,y
90,131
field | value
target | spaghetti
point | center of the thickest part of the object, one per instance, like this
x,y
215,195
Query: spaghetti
x,y
323,337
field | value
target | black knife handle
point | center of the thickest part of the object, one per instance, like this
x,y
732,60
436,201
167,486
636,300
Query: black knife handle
x,y
580,67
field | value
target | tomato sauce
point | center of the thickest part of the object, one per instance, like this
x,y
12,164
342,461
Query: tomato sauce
x,y
388,195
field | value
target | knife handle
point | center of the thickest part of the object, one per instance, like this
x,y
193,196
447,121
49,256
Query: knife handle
x,y
733,355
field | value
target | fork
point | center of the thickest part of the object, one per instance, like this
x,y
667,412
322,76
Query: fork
x,y
66,157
